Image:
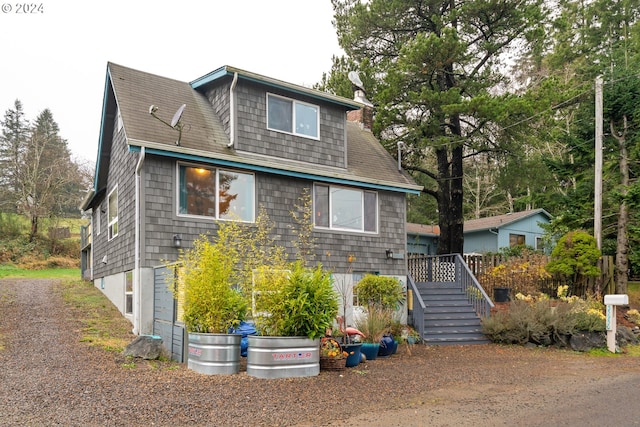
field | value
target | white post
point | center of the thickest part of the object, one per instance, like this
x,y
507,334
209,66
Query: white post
x,y
611,302
611,328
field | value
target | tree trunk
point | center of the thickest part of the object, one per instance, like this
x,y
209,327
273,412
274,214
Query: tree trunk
x,y
34,228
456,230
444,201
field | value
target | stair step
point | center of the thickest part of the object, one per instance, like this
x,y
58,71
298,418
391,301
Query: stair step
x,y
447,303
449,318
450,309
455,331
445,323
450,315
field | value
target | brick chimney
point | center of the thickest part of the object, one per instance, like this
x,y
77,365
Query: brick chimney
x,y
363,116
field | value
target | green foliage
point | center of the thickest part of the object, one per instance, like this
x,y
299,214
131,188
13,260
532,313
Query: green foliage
x,y
437,70
205,288
11,226
10,271
544,321
576,255
302,215
383,291
304,303
375,323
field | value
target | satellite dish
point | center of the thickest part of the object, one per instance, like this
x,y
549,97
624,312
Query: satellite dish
x,y
175,122
354,77
177,116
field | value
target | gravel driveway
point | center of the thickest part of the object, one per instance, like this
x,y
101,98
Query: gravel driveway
x,y
48,377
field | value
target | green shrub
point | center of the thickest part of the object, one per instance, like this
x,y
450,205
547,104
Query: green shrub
x,y
383,291
543,321
575,257
204,286
303,303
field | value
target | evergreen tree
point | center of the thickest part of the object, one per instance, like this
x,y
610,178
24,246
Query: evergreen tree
x,y
13,142
439,71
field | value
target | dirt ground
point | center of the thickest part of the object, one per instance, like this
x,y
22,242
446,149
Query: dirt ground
x,y
49,377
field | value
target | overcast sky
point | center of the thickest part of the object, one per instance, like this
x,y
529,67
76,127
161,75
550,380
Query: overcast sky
x,y
57,57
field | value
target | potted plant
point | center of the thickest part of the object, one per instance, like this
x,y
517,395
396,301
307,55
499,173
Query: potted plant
x,y
332,356
382,295
374,325
292,311
210,306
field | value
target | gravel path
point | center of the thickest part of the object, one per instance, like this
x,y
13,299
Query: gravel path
x,y
48,377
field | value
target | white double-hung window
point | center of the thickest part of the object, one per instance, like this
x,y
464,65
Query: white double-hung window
x,y
345,208
112,213
290,116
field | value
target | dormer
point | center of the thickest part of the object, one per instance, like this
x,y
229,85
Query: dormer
x,y
275,119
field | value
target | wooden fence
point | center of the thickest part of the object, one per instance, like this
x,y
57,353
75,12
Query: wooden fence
x,y
526,275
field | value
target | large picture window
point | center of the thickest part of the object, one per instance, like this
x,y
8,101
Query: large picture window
x,y
344,208
112,213
216,193
287,115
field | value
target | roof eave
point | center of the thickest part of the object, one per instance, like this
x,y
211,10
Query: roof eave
x,y
265,165
226,70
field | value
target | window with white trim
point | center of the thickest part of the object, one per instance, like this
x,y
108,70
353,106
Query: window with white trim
x,y
216,193
295,117
344,208
112,213
119,121
98,218
128,292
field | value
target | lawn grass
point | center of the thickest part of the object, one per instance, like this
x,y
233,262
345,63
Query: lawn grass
x,y
12,272
102,323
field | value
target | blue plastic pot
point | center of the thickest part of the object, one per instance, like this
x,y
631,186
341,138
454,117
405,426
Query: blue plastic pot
x,y
370,350
387,346
353,357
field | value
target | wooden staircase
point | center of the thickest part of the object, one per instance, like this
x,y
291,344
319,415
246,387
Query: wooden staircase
x,y
449,316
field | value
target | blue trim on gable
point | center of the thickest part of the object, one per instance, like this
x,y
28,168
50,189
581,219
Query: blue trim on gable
x,y
107,84
265,169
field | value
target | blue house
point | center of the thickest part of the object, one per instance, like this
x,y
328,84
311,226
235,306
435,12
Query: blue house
x,y
485,234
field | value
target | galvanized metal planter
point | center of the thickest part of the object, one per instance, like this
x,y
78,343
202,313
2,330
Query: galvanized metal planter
x,y
283,357
213,354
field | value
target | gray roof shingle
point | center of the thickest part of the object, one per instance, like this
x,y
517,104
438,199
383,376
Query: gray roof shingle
x,y
204,135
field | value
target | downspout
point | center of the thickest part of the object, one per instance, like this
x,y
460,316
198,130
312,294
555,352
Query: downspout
x,y
137,292
232,111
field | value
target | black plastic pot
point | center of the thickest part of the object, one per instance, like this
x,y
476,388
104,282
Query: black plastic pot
x,y
501,294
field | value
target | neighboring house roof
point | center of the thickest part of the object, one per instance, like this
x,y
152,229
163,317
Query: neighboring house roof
x,y
489,223
204,139
422,229
494,222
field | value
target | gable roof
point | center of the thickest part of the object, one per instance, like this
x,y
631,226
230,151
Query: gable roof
x,y
481,224
132,92
498,221
423,229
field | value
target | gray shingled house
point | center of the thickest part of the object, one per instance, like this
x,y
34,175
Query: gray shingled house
x,y
242,141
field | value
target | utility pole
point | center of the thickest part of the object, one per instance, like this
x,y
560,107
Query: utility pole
x,y
597,205
597,209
